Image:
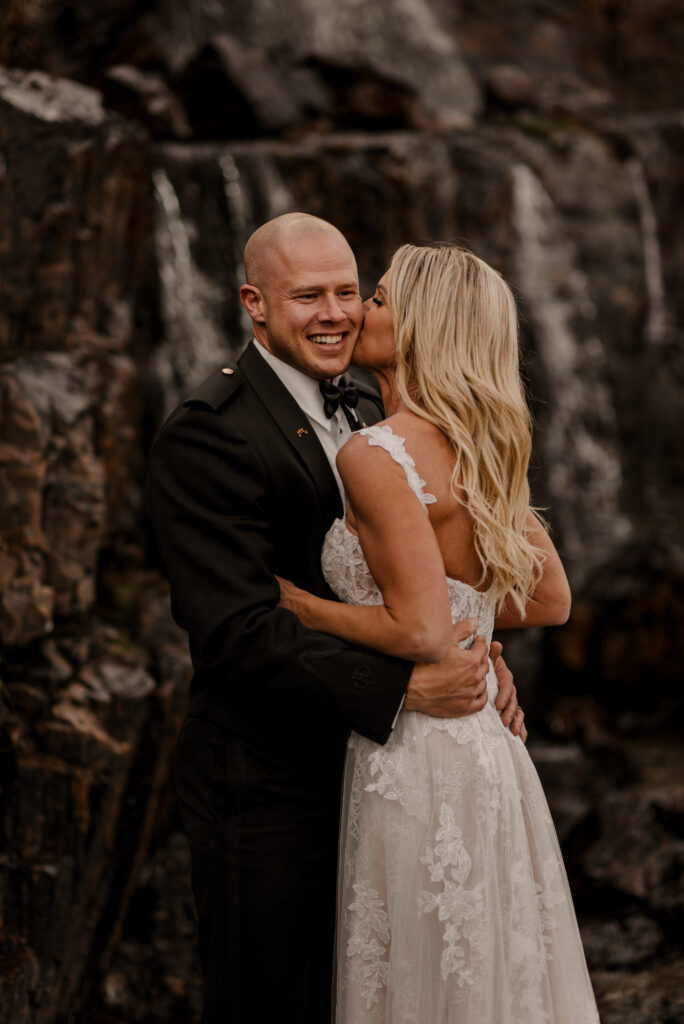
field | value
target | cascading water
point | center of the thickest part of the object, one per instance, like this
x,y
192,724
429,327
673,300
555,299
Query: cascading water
x,y
656,323
584,472
193,345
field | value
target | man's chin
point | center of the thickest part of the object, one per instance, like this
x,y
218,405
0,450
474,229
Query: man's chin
x,y
334,366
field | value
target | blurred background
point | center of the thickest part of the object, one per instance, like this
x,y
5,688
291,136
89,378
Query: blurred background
x,y
141,141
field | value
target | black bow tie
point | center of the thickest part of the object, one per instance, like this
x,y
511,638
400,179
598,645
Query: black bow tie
x,y
343,394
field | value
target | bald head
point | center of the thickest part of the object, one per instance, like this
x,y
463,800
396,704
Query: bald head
x,y
302,294
278,239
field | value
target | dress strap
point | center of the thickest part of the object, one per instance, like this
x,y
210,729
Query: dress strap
x,y
383,436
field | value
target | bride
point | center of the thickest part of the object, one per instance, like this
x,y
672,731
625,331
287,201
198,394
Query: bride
x,y
454,906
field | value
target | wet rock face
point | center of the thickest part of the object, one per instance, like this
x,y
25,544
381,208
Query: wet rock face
x,y
577,56
88,720
67,38
407,43
245,69
88,710
75,223
71,219
549,139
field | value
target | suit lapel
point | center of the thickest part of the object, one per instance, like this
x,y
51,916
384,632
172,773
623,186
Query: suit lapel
x,y
368,412
294,426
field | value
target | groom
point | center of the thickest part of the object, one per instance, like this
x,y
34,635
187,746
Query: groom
x,y
243,486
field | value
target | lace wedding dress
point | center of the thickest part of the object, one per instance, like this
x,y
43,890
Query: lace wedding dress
x,y
454,906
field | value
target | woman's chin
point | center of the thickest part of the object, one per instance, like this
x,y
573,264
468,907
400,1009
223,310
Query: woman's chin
x,y
371,366
364,361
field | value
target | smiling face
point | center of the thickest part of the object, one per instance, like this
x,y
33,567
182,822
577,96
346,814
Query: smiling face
x,y
308,311
375,350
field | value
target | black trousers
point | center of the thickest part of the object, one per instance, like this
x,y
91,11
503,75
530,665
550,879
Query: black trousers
x,y
262,826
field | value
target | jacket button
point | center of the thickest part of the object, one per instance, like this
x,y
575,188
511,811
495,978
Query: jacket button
x,y
362,677
227,369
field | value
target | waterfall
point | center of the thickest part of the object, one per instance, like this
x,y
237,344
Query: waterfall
x,y
237,207
656,323
190,303
582,463
252,197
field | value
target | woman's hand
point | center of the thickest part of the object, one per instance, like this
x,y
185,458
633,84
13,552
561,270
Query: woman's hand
x,y
512,715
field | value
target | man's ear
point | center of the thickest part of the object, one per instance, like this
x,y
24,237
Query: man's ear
x,y
253,301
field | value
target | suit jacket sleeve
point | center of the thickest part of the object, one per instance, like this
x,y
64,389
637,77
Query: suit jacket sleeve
x,y
211,507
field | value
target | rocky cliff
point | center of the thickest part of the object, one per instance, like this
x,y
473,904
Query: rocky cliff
x,y
140,143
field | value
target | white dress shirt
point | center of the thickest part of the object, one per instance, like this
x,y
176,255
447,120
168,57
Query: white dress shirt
x,y
333,432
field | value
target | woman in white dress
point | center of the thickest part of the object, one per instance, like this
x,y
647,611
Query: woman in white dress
x,y
454,906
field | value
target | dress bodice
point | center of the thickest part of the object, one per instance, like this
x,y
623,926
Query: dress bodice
x,y
344,564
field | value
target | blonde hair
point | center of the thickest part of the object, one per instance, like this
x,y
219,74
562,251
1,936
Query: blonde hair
x,y
456,333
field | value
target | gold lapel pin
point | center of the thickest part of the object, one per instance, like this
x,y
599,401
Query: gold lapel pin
x,y
302,430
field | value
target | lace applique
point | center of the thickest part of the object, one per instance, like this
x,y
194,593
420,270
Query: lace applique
x,y
399,778
451,784
462,909
343,561
530,946
369,930
384,437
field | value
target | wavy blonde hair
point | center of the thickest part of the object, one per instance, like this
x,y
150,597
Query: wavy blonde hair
x,y
456,334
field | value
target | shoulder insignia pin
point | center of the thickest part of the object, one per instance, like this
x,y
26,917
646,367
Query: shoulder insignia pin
x,y
302,430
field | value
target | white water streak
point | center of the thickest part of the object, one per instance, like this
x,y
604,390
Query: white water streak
x,y
656,323
239,217
276,199
190,303
583,465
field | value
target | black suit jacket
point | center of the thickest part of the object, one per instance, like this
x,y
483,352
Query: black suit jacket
x,y
240,489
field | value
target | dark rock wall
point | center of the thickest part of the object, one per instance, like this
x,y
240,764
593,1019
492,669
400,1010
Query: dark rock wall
x,y
93,673
140,144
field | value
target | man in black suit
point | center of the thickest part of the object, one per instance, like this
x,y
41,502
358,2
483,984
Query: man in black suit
x,y
242,487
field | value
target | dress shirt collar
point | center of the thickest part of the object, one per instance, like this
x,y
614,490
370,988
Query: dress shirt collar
x,y
303,389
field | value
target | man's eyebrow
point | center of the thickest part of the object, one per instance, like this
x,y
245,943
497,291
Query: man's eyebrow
x,y
354,285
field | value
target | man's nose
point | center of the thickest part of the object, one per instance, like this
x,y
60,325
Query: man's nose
x,y
331,310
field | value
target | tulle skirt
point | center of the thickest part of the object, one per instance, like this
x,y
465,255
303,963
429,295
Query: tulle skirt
x,y
453,904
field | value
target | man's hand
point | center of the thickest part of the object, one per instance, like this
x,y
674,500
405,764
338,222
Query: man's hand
x,y
507,702
458,684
